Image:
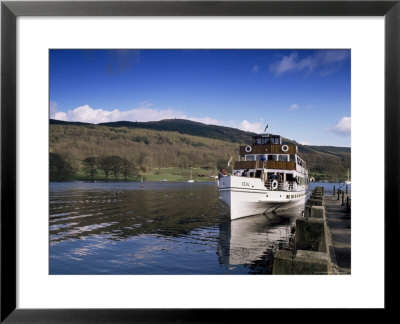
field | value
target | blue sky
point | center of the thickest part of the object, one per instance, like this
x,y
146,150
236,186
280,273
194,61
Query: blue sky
x,y
302,95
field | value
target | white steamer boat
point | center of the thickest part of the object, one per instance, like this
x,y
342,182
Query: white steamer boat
x,y
268,177
348,177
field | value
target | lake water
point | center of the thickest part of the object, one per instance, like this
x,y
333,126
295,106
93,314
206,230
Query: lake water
x,y
160,228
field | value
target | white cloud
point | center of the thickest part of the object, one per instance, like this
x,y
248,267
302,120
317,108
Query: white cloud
x,y
247,126
294,107
53,107
256,68
342,127
88,114
288,63
55,114
60,116
207,120
327,61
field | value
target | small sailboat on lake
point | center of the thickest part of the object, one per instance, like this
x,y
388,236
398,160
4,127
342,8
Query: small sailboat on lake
x,y
191,180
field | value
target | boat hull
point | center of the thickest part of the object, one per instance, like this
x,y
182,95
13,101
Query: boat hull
x,y
248,196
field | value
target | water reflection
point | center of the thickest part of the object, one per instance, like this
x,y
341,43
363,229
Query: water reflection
x,y
246,241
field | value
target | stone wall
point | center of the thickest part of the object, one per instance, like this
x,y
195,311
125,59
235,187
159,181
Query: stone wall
x,y
313,253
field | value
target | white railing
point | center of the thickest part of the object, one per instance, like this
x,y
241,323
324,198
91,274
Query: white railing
x,y
281,186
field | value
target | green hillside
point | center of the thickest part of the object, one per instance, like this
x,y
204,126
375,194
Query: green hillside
x,y
182,126
168,149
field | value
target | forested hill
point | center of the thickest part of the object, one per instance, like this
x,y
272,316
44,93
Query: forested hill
x,y
175,143
182,126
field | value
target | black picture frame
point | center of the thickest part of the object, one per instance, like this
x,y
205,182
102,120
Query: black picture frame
x,y
10,10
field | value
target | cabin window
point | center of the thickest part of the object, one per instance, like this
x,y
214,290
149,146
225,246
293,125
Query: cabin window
x,y
292,158
299,161
250,157
272,157
266,140
258,140
283,158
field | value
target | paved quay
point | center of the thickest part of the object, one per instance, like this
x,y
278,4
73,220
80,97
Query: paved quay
x,y
339,224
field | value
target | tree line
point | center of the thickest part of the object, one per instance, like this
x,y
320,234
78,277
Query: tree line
x,y
111,166
145,150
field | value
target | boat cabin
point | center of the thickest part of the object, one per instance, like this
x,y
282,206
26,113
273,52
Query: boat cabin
x,y
267,139
268,158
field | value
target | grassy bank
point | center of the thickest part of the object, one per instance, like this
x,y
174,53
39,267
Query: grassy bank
x,y
177,174
159,174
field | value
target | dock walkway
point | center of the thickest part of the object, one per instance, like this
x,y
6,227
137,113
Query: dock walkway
x,y
339,223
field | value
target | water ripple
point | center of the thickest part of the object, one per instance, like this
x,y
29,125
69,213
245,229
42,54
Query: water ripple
x,y
164,228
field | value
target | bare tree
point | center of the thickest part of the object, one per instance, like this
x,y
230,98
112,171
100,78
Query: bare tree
x,y
126,169
145,161
116,165
90,167
106,164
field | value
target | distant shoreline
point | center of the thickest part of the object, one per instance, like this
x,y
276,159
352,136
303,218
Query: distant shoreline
x,y
129,181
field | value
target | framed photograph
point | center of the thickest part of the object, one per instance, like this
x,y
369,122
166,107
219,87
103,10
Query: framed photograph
x,y
142,105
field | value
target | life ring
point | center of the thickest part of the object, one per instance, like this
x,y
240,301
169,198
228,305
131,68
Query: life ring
x,y
285,148
274,185
248,148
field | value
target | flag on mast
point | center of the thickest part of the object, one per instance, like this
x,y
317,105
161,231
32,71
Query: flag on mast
x,y
265,128
229,162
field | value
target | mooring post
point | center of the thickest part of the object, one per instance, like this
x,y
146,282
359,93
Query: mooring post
x,y
342,198
334,189
348,205
347,189
338,194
